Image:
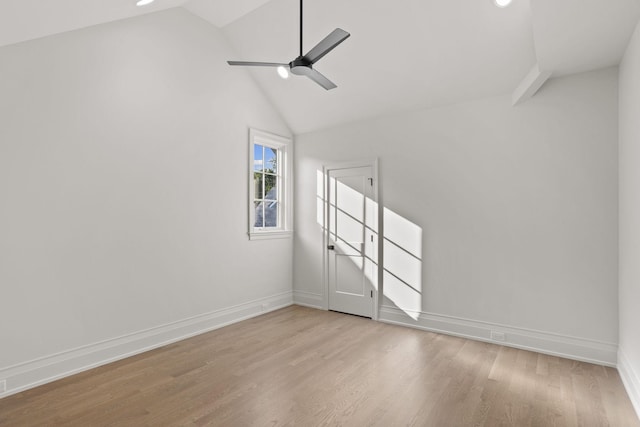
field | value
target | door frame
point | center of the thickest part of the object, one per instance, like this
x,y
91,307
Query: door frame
x,y
326,169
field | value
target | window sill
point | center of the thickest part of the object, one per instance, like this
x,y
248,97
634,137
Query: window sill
x,y
266,235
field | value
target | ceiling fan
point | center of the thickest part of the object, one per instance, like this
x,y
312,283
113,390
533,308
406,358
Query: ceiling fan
x,y
303,64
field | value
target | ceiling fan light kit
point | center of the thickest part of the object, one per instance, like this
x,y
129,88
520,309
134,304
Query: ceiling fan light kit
x,y
502,3
283,72
303,64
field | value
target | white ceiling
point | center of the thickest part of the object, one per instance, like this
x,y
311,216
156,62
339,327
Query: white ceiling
x,y
423,54
400,56
22,20
572,36
220,12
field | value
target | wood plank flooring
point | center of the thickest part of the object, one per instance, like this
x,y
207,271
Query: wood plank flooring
x,y
303,367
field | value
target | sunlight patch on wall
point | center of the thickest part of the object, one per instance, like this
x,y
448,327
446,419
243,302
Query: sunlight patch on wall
x,y
320,204
402,269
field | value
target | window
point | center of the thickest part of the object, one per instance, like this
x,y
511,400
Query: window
x,y
269,186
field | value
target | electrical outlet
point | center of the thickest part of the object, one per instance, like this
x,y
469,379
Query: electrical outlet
x,y
3,386
498,336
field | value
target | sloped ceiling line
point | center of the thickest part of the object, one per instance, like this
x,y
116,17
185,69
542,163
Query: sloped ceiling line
x,y
417,54
573,36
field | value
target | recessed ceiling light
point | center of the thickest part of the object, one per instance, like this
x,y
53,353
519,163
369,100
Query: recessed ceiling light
x,y
143,2
502,3
283,72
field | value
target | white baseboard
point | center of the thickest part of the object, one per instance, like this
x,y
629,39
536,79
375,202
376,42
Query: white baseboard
x,y
307,299
585,350
50,368
630,379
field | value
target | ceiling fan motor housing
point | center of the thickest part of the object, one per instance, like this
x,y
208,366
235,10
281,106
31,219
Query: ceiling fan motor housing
x,y
300,66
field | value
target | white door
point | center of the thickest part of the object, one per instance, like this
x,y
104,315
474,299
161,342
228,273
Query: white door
x,y
351,240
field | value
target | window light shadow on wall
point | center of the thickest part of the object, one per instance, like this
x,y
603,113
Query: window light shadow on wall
x,y
401,245
402,269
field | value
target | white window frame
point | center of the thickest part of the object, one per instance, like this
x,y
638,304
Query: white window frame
x,y
285,194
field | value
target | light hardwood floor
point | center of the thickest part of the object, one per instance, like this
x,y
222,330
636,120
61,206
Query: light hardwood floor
x,y
303,367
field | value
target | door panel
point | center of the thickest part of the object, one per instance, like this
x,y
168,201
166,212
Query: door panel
x,y
351,240
348,275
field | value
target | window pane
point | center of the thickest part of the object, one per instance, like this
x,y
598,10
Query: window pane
x,y
258,157
268,184
257,183
270,214
270,187
271,160
259,207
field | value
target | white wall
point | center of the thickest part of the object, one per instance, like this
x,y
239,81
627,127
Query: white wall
x,y
629,355
517,207
123,188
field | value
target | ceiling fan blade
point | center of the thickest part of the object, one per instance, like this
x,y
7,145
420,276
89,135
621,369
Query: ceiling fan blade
x,y
257,64
320,79
327,44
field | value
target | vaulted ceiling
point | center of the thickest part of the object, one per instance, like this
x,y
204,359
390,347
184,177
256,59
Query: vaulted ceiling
x,y
400,56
